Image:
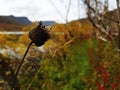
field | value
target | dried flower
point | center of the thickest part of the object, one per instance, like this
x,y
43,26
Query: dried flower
x,y
39,35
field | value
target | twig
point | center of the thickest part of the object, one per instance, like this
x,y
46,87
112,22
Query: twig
x,y
68,10
118,50
56,9
12,88
33,79
64,45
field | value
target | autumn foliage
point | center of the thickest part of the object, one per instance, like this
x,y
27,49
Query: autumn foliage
x,y
73,59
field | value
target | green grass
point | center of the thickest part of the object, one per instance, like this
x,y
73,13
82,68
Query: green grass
x,y
72,75
80,66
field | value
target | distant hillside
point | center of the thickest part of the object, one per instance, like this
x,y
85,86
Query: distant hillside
x,y
12,23
15,20
48,23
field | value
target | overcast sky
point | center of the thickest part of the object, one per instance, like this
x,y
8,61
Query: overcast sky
x,y
44,9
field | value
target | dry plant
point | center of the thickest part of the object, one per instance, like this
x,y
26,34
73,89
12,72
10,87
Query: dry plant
x,y
38,36
107,22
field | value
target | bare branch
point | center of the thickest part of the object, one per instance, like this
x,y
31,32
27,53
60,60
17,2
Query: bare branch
x,y
68,9
118,13
56,9
79,9
101,28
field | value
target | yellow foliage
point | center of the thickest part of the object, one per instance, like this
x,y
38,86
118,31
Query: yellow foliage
x,y
49,44
24,39
7,72
2,39
30,27
83,27
62,33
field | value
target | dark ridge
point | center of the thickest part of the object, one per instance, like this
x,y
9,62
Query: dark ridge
x,y
48,23
15,20
21,20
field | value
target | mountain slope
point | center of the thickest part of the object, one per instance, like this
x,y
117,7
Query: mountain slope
x,y
48,23
15,20
21,20
12,23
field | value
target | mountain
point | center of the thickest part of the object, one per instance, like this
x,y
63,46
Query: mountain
x,y
15,20
21,20
48,23
12,23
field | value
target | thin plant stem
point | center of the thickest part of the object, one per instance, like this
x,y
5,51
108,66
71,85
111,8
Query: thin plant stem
x,y
33,79
12,88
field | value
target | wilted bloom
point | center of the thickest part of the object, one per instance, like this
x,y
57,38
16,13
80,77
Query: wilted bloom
x,y
39,35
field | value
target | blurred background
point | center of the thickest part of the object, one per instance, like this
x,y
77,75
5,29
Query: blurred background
x,y
82,53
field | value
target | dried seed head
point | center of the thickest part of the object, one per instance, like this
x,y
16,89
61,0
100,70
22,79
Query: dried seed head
x,y
39,35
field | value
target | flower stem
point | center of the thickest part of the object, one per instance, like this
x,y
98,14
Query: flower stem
x,y
13,85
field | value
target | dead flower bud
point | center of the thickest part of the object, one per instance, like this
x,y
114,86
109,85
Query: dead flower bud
x,y
39,35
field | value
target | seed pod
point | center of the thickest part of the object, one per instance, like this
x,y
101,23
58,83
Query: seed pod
x,y
39,35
